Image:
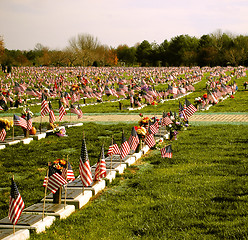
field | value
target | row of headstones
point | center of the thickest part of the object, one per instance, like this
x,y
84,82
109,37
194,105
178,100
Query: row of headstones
x,y
40,216
37,136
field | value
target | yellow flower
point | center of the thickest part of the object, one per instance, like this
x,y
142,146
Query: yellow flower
x,y
62,161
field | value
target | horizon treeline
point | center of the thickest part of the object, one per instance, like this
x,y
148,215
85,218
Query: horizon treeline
x,y
215,49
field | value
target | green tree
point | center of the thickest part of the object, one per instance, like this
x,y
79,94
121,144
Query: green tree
x,y
207,53
143,53
163,53
126,54
182,50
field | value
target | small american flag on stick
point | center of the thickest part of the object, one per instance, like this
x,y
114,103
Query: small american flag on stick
x,y
62,111
84,166
16,204
166,152
100,171
19,121
125,148
3,134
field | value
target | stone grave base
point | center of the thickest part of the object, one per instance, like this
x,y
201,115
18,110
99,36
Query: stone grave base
x,y
39,136
57,210
75,125
145,149
20,234
28,221
138,155
2,146
12,142
75,196
95,187
26,140
110,175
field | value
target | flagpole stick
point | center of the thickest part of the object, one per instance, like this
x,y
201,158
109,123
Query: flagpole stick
x,y
13,224
121,146
13,132
40,122
111,156
66,180
44,203
83,183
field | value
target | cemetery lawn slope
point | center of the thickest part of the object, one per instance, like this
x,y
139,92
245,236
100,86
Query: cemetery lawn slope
x,y
201,193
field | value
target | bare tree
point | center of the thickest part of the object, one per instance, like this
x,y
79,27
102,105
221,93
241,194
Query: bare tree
x,y
85,47
1,48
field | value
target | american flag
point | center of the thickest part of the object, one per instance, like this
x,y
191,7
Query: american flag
x,y
138,103
84,166
113,148
80,111
44,106
19,88
154,127
16,204
166,152
100,171
3,135
19,121
190,108
165,120
52,118
125,148
29,121
133,140
114,93
73,109
131,99
54,180
67,173
62,111
182,111
31,92
108,91
149,140
74,97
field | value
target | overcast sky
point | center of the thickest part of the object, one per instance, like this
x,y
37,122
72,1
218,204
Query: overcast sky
x,y
24,23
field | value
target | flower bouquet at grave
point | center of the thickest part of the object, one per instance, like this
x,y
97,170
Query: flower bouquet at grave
x,y
143,122
141,131
154,103
59,164
60,132
160,144
5,124
52,126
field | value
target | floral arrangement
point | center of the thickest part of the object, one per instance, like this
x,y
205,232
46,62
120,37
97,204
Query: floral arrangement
x,y
61,132
144,120
6,124
178,124
141,131
59,164
160,144
51,126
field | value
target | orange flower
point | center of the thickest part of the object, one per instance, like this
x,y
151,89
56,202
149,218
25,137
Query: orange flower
x,y
62,161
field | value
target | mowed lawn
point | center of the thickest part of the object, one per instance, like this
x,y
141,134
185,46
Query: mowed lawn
x,y
201,193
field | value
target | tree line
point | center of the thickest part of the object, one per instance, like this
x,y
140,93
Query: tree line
x,y
215,49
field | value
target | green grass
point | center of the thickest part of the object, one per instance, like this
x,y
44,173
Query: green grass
x,y
201,193
28,163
